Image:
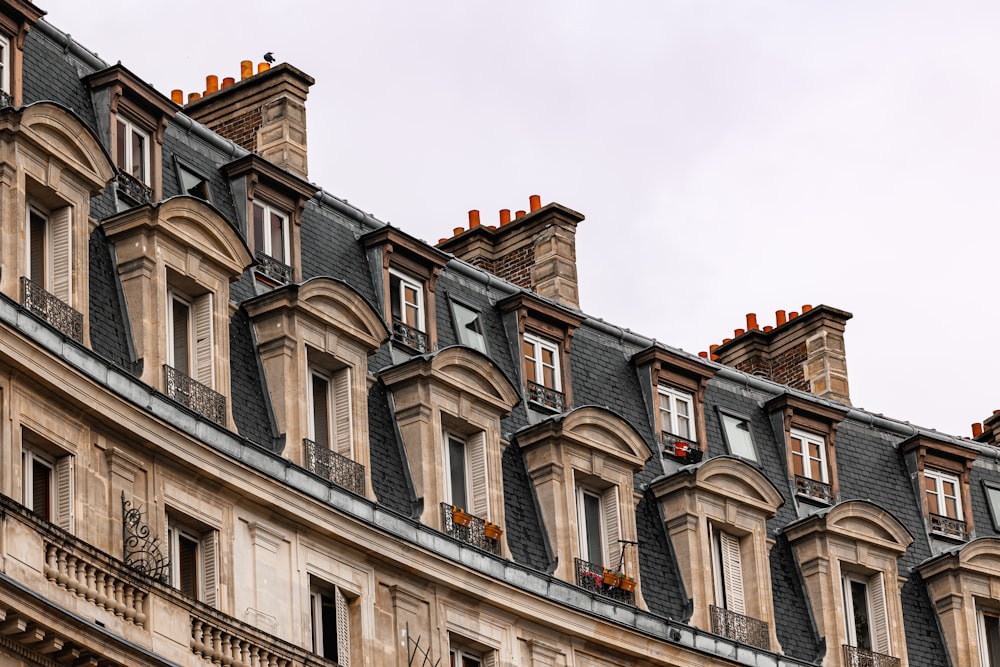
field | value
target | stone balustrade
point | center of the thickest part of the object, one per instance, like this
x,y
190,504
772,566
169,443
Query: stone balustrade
x,y
96,583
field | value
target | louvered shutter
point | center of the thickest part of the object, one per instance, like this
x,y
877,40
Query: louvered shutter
x,y
612,526
480,501
490,659
342,411
732,573
880,620
343,630
64,492
61,221
210,567
203,341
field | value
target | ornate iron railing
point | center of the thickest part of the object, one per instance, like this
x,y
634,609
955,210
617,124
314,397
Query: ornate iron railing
x,y
813,489
140,551
859,657
948,526
474,533
410,337
132,188
740,628
273,268
194,395
590,576
546,396
679,448
63,317
330,465
6,99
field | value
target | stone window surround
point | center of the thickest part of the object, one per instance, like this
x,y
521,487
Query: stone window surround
x,y
854,537
16,19
729,494
789,411
677,371
922,451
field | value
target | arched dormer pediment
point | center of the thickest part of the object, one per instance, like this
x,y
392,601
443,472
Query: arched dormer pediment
x,y
60,133
865,521
594,427
193,225
463,369
332,299
728,477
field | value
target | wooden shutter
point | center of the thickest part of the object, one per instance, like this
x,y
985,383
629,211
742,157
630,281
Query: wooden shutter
x,y
490,659
342,411
210,567
480,501
879,620
343,629
62,247
64,492
612,526
203,340
732,572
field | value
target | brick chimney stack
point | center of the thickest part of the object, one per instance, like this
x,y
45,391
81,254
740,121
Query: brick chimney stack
x,y
536,250
804,351
264,113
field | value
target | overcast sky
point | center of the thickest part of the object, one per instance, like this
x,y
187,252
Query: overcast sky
x,y
729,157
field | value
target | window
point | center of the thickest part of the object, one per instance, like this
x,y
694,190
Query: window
x,y
331,624
47,236
676,412
993,502
189,332
270,232
943,493
192,183
132,151
736,430
808,455
330,410
541,362
48,486
5,64
865,612
465,463
989,637
193,560
727,568
462,658
597,516
407,297
469,327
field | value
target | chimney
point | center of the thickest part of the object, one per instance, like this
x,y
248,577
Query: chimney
x,y
804,351
536,250
264,113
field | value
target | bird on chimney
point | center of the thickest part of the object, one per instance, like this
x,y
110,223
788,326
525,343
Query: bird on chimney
x,y
269,58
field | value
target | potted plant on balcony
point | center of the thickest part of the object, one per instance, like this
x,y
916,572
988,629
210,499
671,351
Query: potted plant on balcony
x,y
492,531
460,517
626,583
611,578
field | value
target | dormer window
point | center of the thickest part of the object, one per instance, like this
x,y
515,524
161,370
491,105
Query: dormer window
x,y
469,326
192,183
270,232
676,413
47,288
132,150
597,518
942,470
5,71
542,372
406,297
16,19
944,502
808,452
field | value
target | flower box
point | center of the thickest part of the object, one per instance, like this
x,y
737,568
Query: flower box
x,y
460,517
611,578
492,531
627,584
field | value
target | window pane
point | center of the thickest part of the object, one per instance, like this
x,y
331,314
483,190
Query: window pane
x,y
321,413
278,237
991,628
993,497
139,156
530,371
797,467
328,613
187,563
37,250
859,600
469,326
259,240
456,460
738,437
41,489
120,143
592,528
412,311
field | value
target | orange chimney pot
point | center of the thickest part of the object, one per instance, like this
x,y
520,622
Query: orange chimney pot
x,y
727,340
263,67
703,355
977,429
177,96
246,69
228,81
211,83
473,218
519,214
806,308
752,322
738,332
457,230
534,202
792,315
193,96
779,316
504,216
768,328
712,347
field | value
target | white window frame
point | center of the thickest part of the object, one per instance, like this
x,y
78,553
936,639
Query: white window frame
x,y
727,570
340,431
474,339
206,557
268,242
28,458
130,129
476,473
669,398
458,656
449,489
875,599
61,484
940,476
609,519
173,296
537,345
418,288
849,611
806,438
342,613
749,443
984,656
46,247
5,65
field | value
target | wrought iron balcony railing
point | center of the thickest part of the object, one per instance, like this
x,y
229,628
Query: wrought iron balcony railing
x,y
740,628
273,268
330,465
546,396
410,337
680,448
813,489
474,533
6,99
948,526
859,657
133,189
60,315
590,576
194,395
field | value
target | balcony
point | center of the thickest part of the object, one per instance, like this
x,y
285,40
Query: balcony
x,y
57,314
469,529
134,190
680,449
590,576
947,526
272,268
338,469
813,489
859,657
6,99
546,397
410,337
740,628
194,395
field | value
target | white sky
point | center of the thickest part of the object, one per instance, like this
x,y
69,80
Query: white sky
x,y
730,156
